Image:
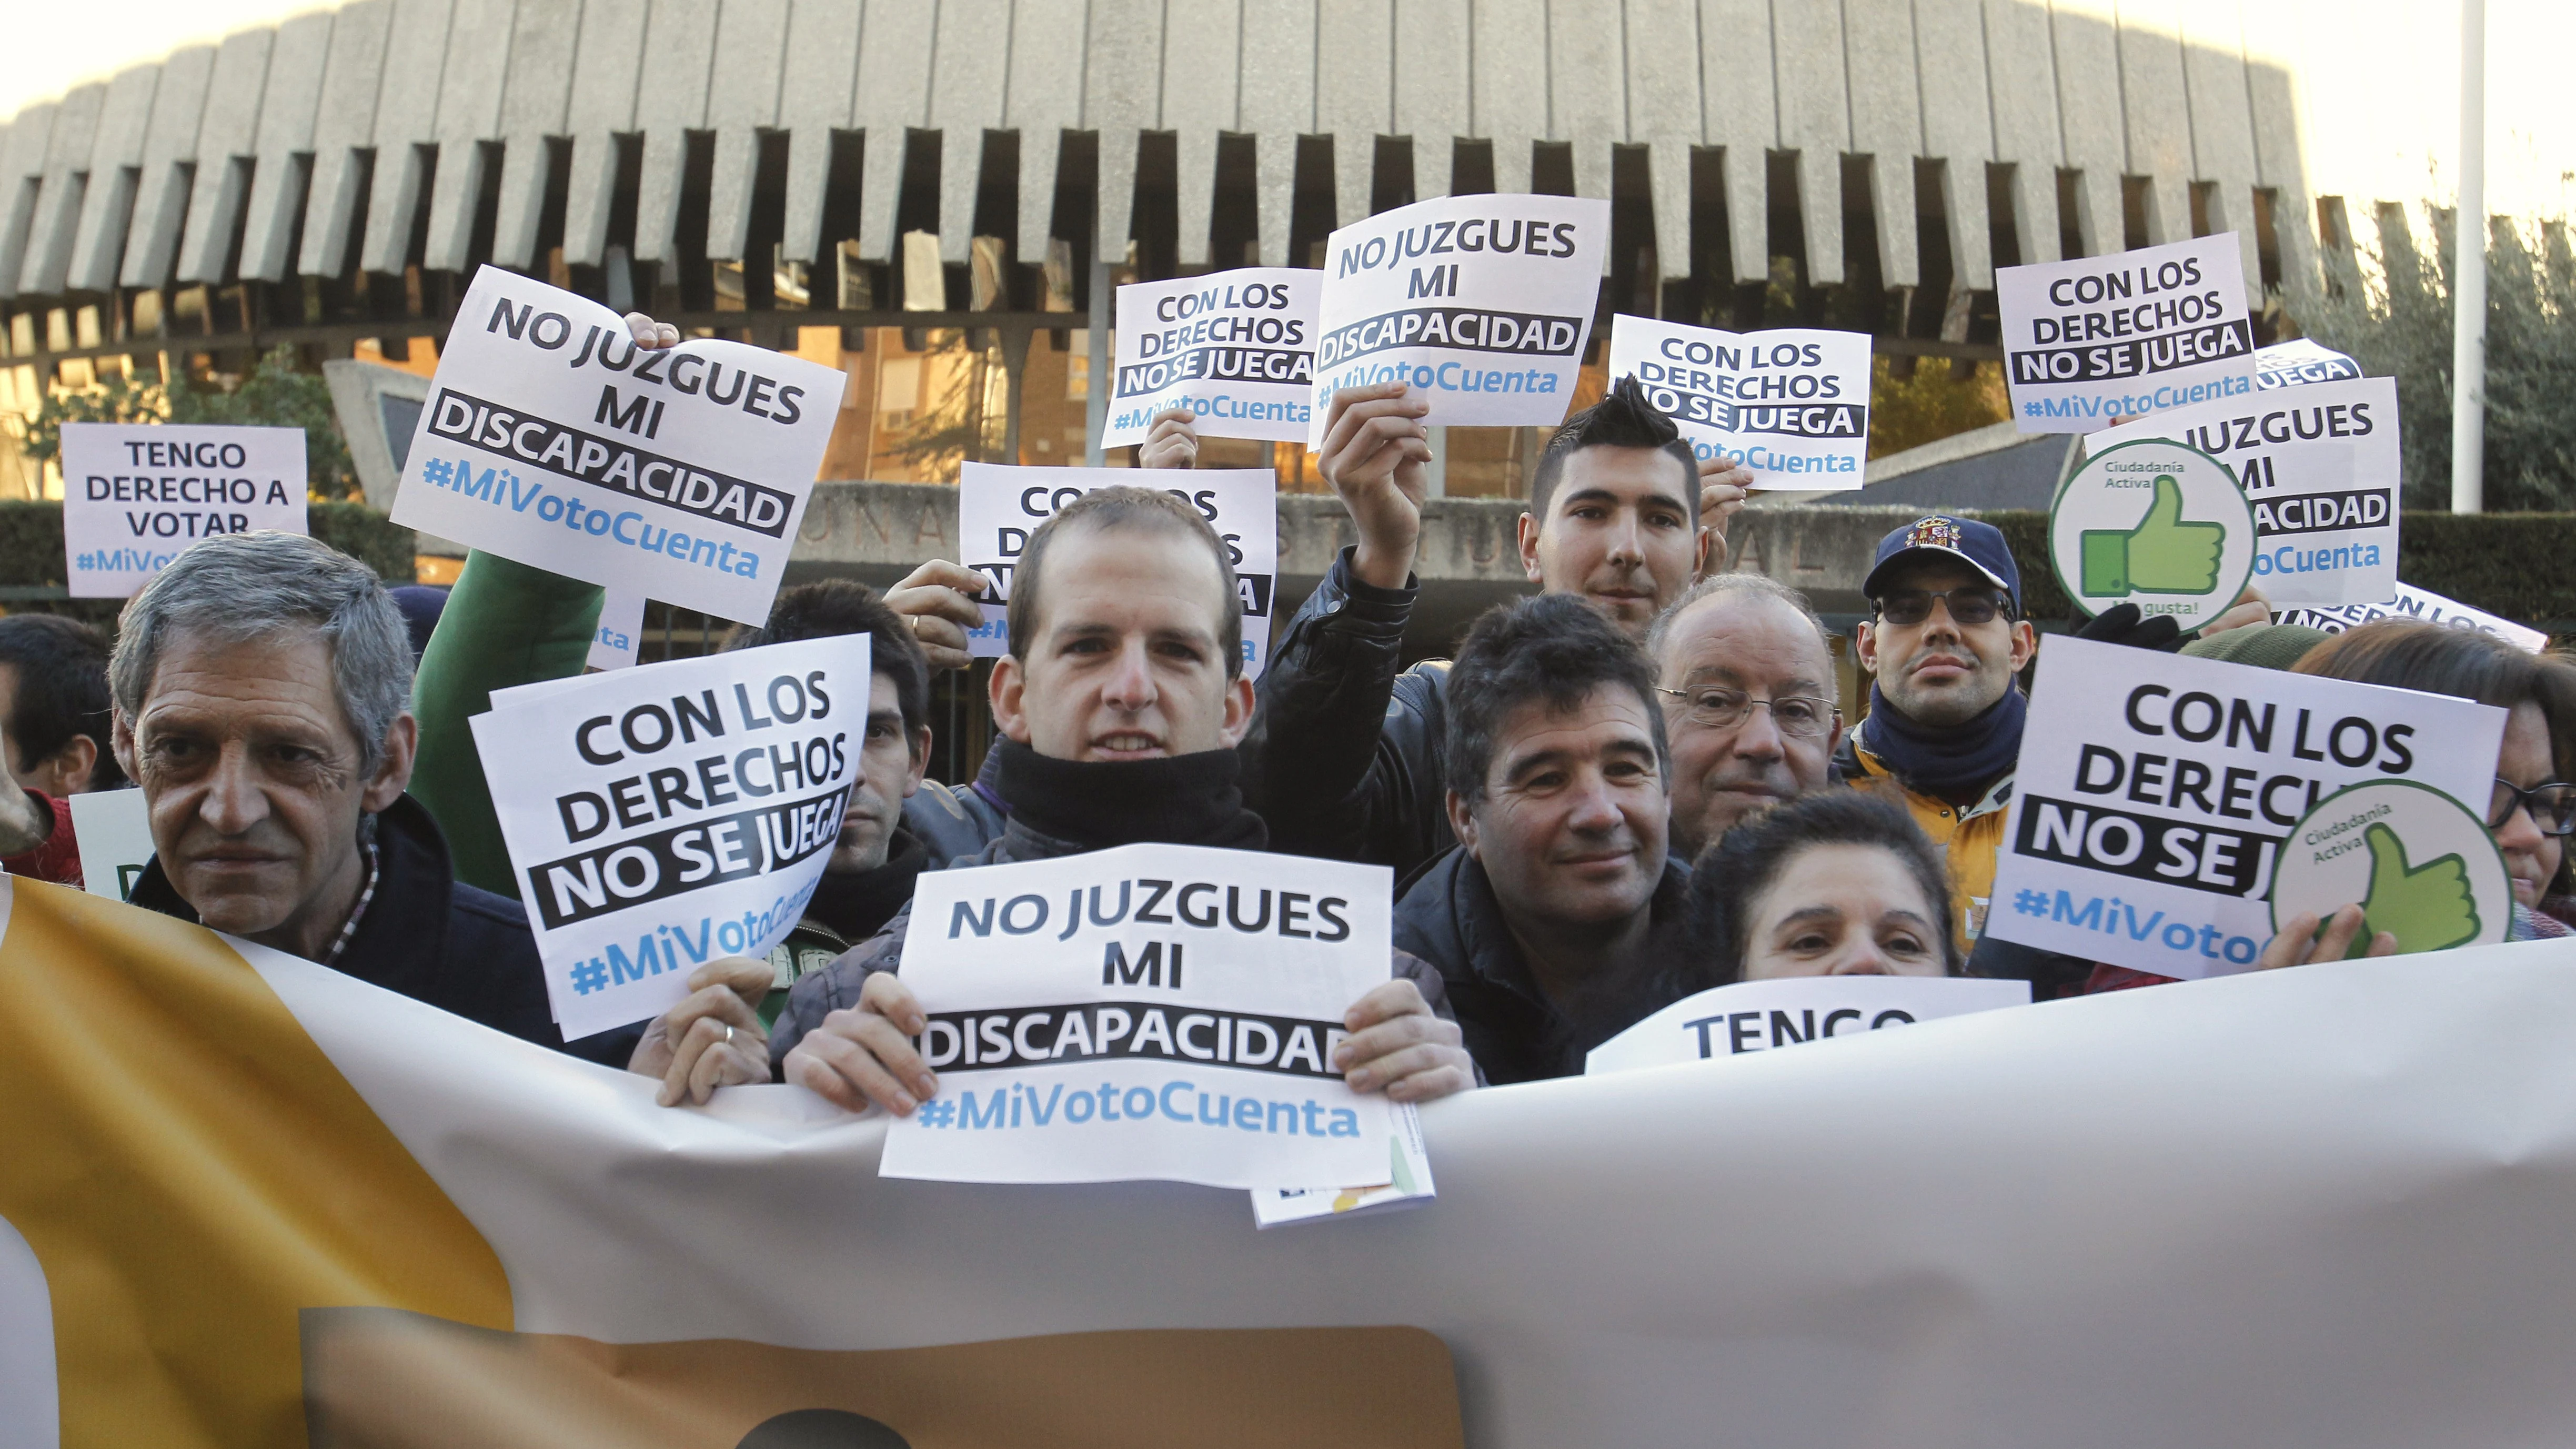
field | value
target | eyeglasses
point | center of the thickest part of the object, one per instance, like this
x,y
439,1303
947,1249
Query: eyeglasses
x,y
2552,805
1968,607
1714,706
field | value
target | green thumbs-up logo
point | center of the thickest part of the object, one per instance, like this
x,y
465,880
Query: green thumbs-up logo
x,y
2428,907
2162,555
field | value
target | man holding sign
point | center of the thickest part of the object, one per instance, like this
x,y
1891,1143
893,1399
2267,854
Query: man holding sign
x,y
1120,704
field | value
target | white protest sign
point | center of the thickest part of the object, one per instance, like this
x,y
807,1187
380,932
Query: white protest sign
x,y
1235,348
999,506
135,494
2298,362
1152,1011
1408,1184
2319,465
1758,1016
2155,792
2414,603
2155,524
2420,867
550,439
2099,338
663,816
115,833
1792,404
1482,302
621,628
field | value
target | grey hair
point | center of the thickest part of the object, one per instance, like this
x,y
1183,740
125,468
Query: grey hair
x,y
235,588
1760,586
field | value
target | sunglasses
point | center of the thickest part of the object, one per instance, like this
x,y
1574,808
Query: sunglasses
x,y
2552,805
1968,607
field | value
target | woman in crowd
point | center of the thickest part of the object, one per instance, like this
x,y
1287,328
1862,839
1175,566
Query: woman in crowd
x,y
1839,883
2530,809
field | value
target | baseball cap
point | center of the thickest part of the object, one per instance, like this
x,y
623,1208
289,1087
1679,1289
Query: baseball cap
x,y
1979,545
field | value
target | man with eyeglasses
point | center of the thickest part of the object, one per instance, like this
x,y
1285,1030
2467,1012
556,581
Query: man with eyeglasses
x,y
1747,682
1944,640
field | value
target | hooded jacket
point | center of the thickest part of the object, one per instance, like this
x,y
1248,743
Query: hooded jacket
x,y
437,940
1451,919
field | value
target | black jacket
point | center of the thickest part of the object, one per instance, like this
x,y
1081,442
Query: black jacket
x,y
438,940
1347,753
1451,919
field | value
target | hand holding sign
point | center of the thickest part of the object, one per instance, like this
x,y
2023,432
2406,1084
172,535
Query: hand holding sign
x,y
2427,907
2162,555
2339,937
1377,456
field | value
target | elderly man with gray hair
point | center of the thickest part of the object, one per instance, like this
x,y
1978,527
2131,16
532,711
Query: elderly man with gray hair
x,y
263,703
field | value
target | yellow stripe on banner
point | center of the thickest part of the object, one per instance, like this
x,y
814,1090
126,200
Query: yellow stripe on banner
x,y
192,1172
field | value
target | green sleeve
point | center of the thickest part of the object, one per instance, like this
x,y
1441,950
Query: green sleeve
x,y
505,624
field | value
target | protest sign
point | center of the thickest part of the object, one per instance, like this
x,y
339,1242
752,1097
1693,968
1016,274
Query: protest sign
x,y
1759,1016
115,834
663,816
2414,603
2155,792
1235,348
621,628
2100,338
2155,524
1408,1184
2319,467
2298,362
999,506
1153,1011
1482,302
1792,404
2421,868
550,439
135,494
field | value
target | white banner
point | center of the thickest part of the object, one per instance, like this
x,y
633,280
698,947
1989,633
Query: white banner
x,y
1235,348
549,438
1482,302
999,506
2155,792
2299,361
663,816
1791,404
1153,1011
135,494
2320,466
1758,1016
2100,338
621,628
2414,603
2318,1209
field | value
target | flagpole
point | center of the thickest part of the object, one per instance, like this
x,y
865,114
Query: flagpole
x,y
2469,258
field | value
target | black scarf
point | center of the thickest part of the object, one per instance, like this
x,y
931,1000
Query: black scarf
x,y
1178,800
858,906
1957,763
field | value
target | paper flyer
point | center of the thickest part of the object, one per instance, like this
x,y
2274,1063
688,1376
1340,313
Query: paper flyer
x,y
1235,348
1759,1016
136,494
2097,339
665,815
1790,404
1151,1011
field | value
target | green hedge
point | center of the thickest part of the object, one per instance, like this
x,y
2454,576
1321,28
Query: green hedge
x,y
2519,565
31,550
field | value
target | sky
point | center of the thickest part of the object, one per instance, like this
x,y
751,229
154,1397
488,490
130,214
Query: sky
x,y
2378,80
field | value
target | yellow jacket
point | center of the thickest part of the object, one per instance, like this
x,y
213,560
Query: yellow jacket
x,y
1969,837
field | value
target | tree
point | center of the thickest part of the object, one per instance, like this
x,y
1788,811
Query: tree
x,y
273,395
2393,316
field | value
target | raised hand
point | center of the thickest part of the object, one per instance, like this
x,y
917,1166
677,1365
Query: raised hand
x,y
1377,456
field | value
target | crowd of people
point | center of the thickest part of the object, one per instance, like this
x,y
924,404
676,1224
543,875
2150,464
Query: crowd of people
x,y
1633,785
